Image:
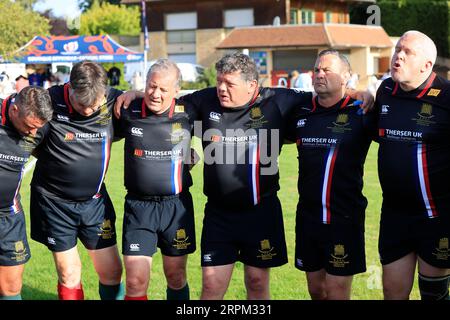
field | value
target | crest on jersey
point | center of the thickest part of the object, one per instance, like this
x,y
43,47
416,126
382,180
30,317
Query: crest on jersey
x,y
177,133
256,118
425,115
256,114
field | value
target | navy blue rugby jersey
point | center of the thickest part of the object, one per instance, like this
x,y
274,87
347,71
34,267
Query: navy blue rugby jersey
x,y
15,150
414,153
73,159
332,145
241,145
156,147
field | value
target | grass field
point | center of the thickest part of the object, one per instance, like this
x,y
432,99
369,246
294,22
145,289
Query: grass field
x,y
287,283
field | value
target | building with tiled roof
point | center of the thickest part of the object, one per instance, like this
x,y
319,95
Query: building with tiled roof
x,y
281,35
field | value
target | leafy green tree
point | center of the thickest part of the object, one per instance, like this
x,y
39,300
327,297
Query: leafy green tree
x,y
18,26
27,4
397,16
106,18
87,4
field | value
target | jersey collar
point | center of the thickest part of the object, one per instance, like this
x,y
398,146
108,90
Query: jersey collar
x,y
423,88
344,103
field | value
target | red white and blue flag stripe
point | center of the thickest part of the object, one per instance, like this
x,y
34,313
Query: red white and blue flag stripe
x,y
424,181
177,185
326,185
254,154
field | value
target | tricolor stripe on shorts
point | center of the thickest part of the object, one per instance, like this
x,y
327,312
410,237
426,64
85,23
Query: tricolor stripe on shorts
x,y
326,186
177,185
254,156
424,181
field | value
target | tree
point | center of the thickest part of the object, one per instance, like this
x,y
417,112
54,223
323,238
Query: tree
x,y
106,18
27,4
87,4
18,27
398,16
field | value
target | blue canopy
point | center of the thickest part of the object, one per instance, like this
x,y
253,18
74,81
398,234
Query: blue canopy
x,y
44,50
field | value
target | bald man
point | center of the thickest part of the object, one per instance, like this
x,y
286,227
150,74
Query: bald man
x,y
414,171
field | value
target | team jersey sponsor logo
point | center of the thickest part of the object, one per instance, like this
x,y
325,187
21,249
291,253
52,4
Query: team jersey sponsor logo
x,y
20,252
338,258
85,136
404,135
137,132
318,142
12,158
384,109
106,230
425,116
301,123
442,252
267,252
158,154
433,92
181,240
69,136
341,124
214,116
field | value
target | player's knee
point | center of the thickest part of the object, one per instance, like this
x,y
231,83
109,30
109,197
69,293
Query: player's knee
x,y
70,276
256,283
434,288
176,279
317,291
136,284
11,287
110,275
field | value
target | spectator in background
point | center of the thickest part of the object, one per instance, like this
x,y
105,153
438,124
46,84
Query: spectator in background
x,y
353,81
21,82
304,81
114,76
294,77
36,78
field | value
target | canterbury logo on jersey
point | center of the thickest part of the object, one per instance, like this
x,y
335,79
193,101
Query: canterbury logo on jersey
x,y
214,116
301,123
138,132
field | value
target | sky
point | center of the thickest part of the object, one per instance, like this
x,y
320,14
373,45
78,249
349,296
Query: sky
x,y
61,8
